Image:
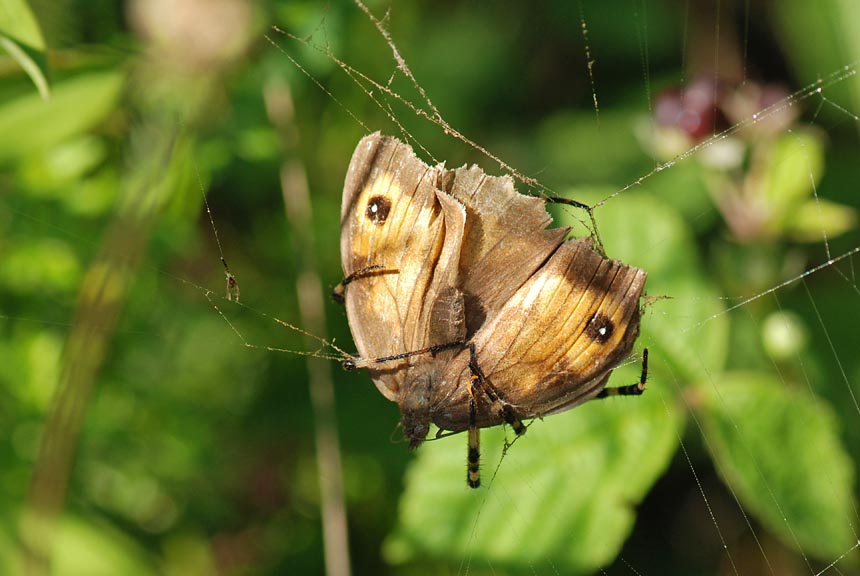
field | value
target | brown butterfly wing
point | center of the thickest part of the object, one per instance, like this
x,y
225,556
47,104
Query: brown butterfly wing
x,y
394,216
555,341
506,240
460,249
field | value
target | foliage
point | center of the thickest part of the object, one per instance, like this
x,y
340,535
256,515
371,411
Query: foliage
x,y
196,452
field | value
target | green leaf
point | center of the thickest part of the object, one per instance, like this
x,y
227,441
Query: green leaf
x,y
817,219
686,189
817,37
18,23
39,266
78,546
688,328
795,164
21,37
63,165
31,366
39,125
87,547
564,496
779,450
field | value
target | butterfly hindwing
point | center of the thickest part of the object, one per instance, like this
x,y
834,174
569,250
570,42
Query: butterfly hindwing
x,y
555,341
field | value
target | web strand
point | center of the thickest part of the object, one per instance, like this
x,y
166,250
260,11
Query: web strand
x,y
383,94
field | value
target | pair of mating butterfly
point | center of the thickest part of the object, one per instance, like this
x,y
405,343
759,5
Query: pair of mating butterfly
x,y
465,309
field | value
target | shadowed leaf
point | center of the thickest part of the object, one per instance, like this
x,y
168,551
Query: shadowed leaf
x,y
780,451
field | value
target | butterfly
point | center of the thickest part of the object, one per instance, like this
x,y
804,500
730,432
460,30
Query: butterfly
x,y
465,308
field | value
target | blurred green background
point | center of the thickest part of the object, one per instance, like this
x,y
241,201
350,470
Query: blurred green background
x,y
143,436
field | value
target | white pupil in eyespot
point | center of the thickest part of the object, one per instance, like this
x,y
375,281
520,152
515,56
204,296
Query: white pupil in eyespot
x,y
602,330
374,208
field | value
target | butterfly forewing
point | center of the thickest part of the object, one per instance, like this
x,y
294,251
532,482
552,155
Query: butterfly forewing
x,y
393,218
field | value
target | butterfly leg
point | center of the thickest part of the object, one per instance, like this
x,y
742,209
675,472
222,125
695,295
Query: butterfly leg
x,y
473,475
338,293
598,244
566,202
502,408
354,363
632,389
478,382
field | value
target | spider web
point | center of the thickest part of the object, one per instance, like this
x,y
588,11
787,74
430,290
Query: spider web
x,y
741,541
687,479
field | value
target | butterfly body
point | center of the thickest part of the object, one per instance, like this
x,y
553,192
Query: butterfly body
x,y
457,264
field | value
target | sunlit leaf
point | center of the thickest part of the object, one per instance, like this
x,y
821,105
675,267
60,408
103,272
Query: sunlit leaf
x,y
41,266
817,220
18,23
89,548
795,164
81,546
780,451
62,166
21,38
38,125
563,497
